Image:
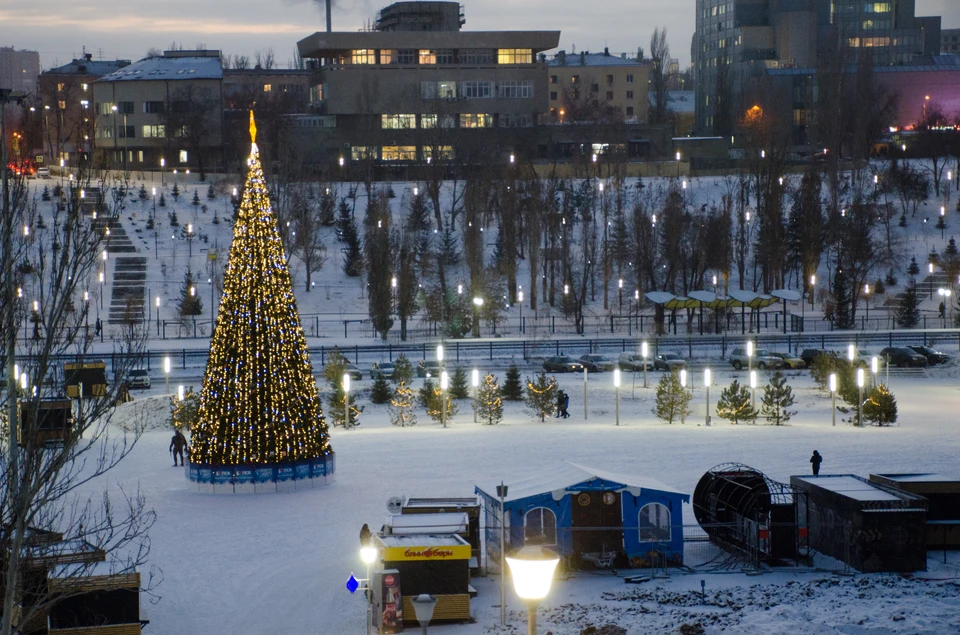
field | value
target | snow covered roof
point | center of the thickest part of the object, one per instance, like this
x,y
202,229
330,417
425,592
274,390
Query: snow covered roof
x,y
562,478
448,523
851,487
158,68
88,67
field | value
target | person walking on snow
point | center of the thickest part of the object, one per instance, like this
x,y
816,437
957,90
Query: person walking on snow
x,y
815,461
560,397
177,445
566,404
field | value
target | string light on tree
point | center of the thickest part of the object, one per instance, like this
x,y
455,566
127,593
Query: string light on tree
x,y
259,402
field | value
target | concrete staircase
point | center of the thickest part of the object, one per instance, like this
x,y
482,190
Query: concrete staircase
x,y
129,278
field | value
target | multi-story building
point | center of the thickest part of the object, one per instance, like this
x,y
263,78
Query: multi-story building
x,y
950,41
597,87
417,87
63,107
737,42
19,70
161,113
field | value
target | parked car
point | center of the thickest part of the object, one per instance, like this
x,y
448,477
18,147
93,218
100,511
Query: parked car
x,y
903,356
355,372
790,360
428,368
933,356
809,354
382,369
633,361
138,378
761,359
596,363
669,362
562,364
43,173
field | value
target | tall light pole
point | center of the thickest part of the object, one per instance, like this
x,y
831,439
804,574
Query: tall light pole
x,y
860,397
683,384
444,382
813,283
750,355
475,381
616,385
833,399
866,301
158,316
644,351
163,165
368,555
520,305
166,373
346,401
477,303
706,384
753,390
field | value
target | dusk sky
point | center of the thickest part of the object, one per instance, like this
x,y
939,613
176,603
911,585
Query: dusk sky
x,y
59,30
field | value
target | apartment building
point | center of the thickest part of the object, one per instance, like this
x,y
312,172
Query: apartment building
x,y
597,87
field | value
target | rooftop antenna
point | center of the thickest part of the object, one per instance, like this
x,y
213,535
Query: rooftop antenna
x,y
329,26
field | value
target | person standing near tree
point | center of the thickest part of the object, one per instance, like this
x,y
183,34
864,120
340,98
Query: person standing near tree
x,y
815,461
560,401
177,445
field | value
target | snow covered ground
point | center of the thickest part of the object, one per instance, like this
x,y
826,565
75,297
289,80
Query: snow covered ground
x,y
256,564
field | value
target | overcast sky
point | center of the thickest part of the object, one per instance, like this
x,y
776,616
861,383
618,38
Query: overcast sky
x,y
114,30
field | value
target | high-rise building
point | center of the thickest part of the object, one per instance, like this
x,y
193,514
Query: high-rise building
x,y
597,86
739,41
19,70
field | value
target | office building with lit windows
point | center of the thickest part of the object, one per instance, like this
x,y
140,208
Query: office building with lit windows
x,y
737,43
416,88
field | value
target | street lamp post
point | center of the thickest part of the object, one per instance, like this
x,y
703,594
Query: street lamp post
x,y
833,399
158,316
683,384
475,380
477,303
368,555
860,397
706,384
163,164
444,382
532,570
866,301
423,606
750,355
616,385
644,350
520,305
753,390
874,367
813,283
166,373
346,401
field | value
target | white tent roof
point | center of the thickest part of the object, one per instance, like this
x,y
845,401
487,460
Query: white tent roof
x,y
565,475
447,523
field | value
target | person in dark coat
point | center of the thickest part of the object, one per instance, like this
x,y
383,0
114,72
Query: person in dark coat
x,y
177,445
560,400
365,536
566,404
815,461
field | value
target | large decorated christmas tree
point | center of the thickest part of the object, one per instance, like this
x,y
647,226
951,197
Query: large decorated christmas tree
x,y
259,408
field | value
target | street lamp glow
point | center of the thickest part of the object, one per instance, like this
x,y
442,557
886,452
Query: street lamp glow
x,y
866,289
532,571
444,380
833,382
616,377
930,267
644,350
566,289
874,365
393,282
678,156
753,379
368,555
860,377
851,352
180,392
512,158
23,381
636,294
706,377
460,289
683,377
520,295
36,305
86,296
439,352
101,277
750,348
478,301
166,364
346,382
620,283
475,378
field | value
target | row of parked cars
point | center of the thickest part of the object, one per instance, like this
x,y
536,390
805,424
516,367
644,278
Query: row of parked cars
x,y
595,363
900,356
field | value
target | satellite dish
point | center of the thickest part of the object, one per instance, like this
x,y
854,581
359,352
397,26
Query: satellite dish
x,y
394,504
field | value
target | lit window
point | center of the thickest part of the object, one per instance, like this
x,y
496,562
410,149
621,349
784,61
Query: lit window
x,y
476,121
439,152
540,527
60,87
515,56
387,56
398,153
83,86
359,153
394,122
154,132
363,56
428,121
654,523
428,56
267,88
183,156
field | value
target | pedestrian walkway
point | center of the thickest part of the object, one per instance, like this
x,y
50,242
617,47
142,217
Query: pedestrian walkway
x,y
129,278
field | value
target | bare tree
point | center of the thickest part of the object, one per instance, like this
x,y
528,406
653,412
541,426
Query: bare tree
x,y
191,115
46,482
309,232
264,58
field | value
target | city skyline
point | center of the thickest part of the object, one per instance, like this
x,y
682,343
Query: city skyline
x,y
60,36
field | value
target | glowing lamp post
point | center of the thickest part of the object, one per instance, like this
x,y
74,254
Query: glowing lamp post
x,y
520,306
753,389
706,384
866,300
166,372
444,383
750,355
874,367
644,351
813,283
833,399
860,380
851,352
616,385
477,303
346,400
532,570
683,384
368,555
475,382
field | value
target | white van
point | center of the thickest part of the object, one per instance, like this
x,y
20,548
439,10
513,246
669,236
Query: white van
x,y
43,173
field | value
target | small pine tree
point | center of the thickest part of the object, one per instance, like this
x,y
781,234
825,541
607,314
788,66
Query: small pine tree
x,y
489,402
185,410
734,404
777,398
336,411
440,406
142,194
941,222
336,365
879,287
913,268
449,249
401,406
380,392
189,302
402,369
175,192
952,247
174,221
542,395
903,220
46,194
353,262
196,198
459,388
908,311
821,367
512,389
425,394
163,201
673,400
880,408
210,193
58,191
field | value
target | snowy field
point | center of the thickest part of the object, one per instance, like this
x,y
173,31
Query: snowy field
x,y
257,564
